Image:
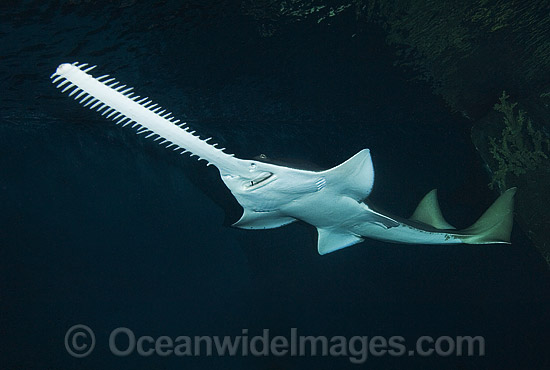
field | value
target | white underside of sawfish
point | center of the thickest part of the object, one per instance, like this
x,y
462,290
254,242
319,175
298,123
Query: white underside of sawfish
x,y
271,195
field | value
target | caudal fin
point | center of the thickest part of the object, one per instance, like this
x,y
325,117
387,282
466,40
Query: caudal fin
x,y
495,225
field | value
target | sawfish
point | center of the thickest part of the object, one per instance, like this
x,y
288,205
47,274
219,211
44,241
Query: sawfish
x,y
271,195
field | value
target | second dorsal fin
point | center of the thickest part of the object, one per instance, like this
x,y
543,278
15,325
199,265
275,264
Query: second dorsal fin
x,y
428,212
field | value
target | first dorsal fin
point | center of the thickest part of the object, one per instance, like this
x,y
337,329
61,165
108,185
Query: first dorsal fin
x,y
429,213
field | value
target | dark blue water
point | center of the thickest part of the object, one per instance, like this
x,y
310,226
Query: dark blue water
x,y
103,228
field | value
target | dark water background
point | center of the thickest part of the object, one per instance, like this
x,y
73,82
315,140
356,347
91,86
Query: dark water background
x,y
106,229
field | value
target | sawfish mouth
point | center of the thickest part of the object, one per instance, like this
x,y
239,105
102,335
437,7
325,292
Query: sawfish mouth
x,y
261,181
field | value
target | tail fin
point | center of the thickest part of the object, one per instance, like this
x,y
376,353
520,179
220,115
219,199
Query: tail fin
x,y
495,225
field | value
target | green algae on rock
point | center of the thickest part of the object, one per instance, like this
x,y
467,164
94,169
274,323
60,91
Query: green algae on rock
x,y
514,147
520,147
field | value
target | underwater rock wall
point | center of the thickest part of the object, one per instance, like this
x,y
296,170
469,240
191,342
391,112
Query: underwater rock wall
x,y
469,51
514,144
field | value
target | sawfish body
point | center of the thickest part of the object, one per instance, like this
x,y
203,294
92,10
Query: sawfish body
x,y
273,195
